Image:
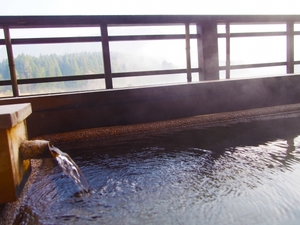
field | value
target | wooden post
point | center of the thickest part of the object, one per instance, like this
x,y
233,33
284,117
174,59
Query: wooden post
x,y
290,47
209,36
200,53
227,50
188,52
14,170
106,57
11,63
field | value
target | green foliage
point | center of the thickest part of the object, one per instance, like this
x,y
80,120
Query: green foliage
x,y
53,65
4,71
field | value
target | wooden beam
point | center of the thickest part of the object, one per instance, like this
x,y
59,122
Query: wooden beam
x,y
200,52
209,36
26,41
254,34
154,72
290,47
11,63
227,26
98,76
188,52
106,57
23,41
256,65
77,21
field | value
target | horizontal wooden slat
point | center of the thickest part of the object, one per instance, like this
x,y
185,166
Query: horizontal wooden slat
x,y
97,76
257,65
153,72
64,21
149,37
5,82
133,38
22,41
54,79
60,79
254,34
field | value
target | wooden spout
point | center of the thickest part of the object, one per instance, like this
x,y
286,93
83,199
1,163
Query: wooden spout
x,y
35,149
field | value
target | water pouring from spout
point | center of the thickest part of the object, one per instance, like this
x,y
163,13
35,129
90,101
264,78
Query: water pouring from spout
x,y
38,149
70,168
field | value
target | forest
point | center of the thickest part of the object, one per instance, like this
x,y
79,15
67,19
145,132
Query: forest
x,y
53,65
28,66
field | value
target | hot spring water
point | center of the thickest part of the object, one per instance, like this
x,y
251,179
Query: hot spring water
x,y
237,173
70,168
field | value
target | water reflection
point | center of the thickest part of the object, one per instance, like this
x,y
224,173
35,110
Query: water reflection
x,y
245,173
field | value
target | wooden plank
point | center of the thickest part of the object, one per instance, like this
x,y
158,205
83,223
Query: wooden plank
x,y
257,65
11,115
11,63
254,34
153,73
98,76
106,57
150,37
60,79
290,47
24,41
54,79
227,50
200,52
210,50
188,52
64,21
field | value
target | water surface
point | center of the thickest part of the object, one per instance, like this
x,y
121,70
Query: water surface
x,y
242,173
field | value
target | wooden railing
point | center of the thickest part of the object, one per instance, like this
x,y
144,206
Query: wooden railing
x,y
289,33
206,36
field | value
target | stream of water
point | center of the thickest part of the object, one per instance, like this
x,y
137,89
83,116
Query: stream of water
x,y
70,168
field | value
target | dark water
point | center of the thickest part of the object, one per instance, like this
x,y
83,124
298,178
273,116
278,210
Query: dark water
x,y
243,173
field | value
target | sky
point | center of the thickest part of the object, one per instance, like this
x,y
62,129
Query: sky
x,y
146,7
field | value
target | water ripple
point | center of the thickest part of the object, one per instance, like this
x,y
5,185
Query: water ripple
x,y
160,182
